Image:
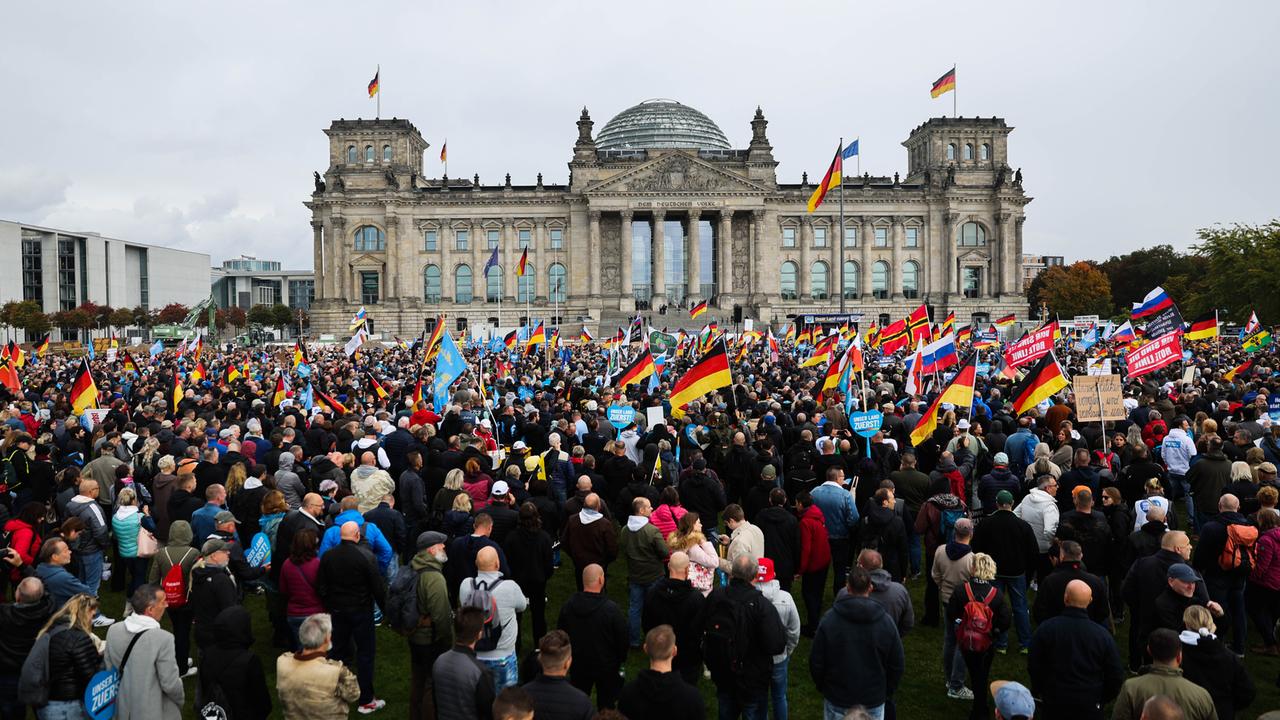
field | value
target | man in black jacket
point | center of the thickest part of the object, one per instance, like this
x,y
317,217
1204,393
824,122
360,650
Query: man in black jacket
x,y
413,500
598,631
884,531
1088,527
660,692
1144,583
554,698
675,602
1226,585
702,493
1049,601
781,532
349,583
1011,542
213,589
1074,664
857,656
20,622
742,682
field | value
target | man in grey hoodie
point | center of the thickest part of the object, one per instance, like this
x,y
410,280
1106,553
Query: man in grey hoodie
x,y
767,583
94,541
288,482
643,547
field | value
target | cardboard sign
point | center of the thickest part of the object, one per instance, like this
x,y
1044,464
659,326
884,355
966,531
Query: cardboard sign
x,y
1030,348
259,552
621,416
653,416
1098,398
866,423
1160,353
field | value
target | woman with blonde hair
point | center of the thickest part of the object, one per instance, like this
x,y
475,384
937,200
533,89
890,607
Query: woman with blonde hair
x,y
703,560
979,651
443,501
1209,663
457,520
75,654
235,480
128,524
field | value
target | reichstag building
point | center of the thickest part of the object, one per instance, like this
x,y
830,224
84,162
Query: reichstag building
x,y
661,213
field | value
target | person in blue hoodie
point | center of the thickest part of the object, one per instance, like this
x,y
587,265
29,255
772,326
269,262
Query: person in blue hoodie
x,y
856,657
350,512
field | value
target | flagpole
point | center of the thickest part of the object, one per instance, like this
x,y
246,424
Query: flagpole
x,y
840,239
954,91
378,74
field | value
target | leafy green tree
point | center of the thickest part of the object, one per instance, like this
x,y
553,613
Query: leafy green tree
x,y
121,318
1134,274
1241,262
283,316
1079,289
26,316
261,315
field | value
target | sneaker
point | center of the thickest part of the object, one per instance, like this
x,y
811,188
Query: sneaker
x,y
103,621
962,693
1002,650
1025,650
372,707
191,671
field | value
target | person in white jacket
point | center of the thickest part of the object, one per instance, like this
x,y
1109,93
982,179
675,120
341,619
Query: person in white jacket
x,y
511,601
766,582
1040,510
1176,450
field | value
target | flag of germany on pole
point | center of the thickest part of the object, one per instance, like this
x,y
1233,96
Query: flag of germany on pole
x,y
709,374
958,393
84,392
639,369
1042,382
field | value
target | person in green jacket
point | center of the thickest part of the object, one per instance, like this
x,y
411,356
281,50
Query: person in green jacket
x,y
646,553
1164,678
434,635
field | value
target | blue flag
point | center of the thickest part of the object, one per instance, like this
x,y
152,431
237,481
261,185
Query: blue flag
x,y
92,354
157,348
449,366
850,150
493,261
307,399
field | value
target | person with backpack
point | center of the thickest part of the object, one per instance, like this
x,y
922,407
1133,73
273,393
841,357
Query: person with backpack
x,y
501,599
232,678
298,583
953,567
981,613
350,583
418,608
742,634
1224,556
857,656
935,524
172,572
598,630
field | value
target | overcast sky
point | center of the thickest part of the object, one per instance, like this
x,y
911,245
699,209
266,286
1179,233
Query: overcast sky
x,y
198,125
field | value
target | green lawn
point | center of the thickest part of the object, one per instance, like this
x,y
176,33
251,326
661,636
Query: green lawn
x,y
922,694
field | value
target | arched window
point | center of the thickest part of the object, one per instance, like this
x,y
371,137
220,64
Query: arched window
x,y
431,283
493,284
818,280
972,235
910,280
368,153
386,153
526,285
351,154
557,279
951,151
984,153
968,151
850,280
370,239
789,273
880,280
462,284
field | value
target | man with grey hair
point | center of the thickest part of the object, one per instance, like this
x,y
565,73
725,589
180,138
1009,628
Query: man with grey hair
x,y
952,568
742,674
20,623
150,686
309,683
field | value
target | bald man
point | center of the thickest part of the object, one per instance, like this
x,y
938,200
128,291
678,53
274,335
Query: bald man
x,y
674,601
1225,586
369,483
498,654
598,631
1146,580
349,583
1073,661
589,538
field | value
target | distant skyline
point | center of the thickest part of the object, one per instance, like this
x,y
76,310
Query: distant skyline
x,y
199,128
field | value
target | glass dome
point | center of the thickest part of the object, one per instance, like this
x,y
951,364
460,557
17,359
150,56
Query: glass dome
x,y
661,124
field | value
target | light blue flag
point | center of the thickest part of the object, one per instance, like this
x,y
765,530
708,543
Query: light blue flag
x,y
92,353
157,348
449,366
850,150
307,400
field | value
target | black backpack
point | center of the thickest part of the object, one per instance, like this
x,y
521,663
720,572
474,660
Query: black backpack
x,y
402,612
725,639
482,598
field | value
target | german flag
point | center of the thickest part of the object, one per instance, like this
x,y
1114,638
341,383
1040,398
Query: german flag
x,y
944,84
537,337
373,84
511,339
585,337
42,347
965,334
1006,321
696,311
299,354
281,391
337,407
872,338
230,374
831,380
196,350
790,336
958,393
709,374
1041,382
830,181
1204,327
198,373
130,365
822,352
805,337
84,392
949,325
1240,369
377,388
523,264
176,393
417,392
639,369
14,352
9,377
433,344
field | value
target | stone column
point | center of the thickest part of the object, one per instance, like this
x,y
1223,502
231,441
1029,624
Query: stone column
x,y
317,255
897,236
658,288
391,264
1010,256
949,246
866,237
693,258
627,264
724,251
803,291
593,241
343,257
509,256
444,241
757,243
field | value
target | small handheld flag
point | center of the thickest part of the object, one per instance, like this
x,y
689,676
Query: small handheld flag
x,y
697,311
84,392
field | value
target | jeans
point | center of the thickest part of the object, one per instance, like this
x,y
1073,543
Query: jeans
x,y
839,563
732,707
1230,595
137,569
62,710
952,662
1015,590
915,545
91,570
979,665
422,696
635,607
812,586
505,671
832,712
778,689
181,619
356,626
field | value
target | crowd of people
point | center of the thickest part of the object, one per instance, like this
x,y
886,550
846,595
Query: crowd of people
x,y
1130,558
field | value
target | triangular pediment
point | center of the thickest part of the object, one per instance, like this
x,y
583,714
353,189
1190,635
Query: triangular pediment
x,y
676,173
974,256
366,260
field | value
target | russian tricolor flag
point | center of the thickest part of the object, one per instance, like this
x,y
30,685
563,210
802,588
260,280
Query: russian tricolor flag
x,y
1154,302
1124,334
939,355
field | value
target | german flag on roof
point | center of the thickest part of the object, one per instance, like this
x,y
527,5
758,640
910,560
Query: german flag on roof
x,y
1041,382
639,369
944,84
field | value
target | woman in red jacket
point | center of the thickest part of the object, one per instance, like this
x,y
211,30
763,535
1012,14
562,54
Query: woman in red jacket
x,y
815,558
24,536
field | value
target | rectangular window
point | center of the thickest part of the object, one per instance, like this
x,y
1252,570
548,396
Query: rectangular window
x,y
913,237
526,237
788,237
67,273
144,281
369,288
882,237
972,282
301,293
557,238
492,237
819,237
851,237
33,270
460,240
431,241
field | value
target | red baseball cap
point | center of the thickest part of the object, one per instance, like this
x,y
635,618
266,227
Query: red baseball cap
x,y
764,570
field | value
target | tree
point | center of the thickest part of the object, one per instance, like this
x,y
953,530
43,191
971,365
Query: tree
x,y
1241,262
142,317
1134,274
261,315
1079,289
121,318
231,316
283,316
172,314
26,316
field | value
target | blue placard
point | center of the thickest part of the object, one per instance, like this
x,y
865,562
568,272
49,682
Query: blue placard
x,y
100,695
621,416
259,552
867,423
984,369
1273,407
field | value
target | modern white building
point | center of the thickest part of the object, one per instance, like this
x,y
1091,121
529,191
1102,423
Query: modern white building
x,y
247,281
61,269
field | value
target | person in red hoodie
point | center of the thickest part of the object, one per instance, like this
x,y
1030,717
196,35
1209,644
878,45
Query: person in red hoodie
x,y
24,536
815,558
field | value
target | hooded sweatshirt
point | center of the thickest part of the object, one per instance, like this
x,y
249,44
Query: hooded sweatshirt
x,y
1040,511
162,487
856,657
787,612
599,628
645,550
288,482
95,538
666,695
952,566
231,664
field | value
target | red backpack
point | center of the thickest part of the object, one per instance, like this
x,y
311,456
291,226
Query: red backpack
x,y
974,631
1238,550
174,583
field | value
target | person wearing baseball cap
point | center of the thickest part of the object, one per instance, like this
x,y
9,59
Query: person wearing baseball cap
x,y
1000,478
213,589
1013,700
767,583
433,635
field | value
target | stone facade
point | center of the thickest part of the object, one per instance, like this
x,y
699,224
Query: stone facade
x,y
716,222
